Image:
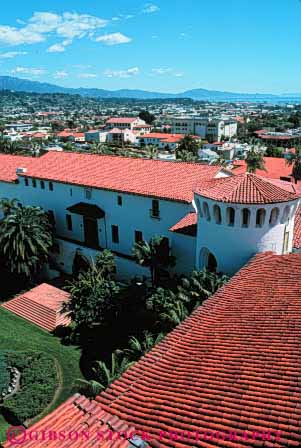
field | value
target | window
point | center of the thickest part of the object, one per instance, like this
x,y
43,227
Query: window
x,y
42,184
260,217
138,236
69,222
245,216
88,193
115,234
274,216
206,211
34,183
230,216
50,185
155,211
119,200
70,191
285,215
26,182
51,217
217,214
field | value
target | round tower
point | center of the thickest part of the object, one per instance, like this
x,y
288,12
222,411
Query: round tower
x,y
239,216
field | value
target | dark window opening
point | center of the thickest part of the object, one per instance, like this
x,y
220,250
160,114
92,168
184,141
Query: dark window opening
x,y
119,200
34,183
50,186
115,234
42,183
26,182
155,211
69,222
138,236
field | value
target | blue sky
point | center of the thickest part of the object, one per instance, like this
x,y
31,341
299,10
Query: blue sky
x,y
163,45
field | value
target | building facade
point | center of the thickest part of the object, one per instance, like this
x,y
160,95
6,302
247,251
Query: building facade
x,y
213,130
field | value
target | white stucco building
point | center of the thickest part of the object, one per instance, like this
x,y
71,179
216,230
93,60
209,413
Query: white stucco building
x,y
208,217
211,129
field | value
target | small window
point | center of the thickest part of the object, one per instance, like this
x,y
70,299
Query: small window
x,y
50,185
70,191
245,214
155,211
260,217
285,215
115,234
42,184
230,216
138,236
26,182
119,200
34,183
274,216
51,217
69,222
206,211
88,193
217,214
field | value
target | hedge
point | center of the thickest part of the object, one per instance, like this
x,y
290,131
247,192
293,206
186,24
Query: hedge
x,y
4,373
37,385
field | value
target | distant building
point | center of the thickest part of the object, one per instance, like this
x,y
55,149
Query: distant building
x,y
212,130
95,136
163,140
124,122
119,137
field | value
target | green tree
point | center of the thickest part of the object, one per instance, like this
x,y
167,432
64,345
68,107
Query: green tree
x,y
154,255
138,348
105,264
92,298
295,161
255,161
169,307
147,116
189,145
151,152
274,152
25,239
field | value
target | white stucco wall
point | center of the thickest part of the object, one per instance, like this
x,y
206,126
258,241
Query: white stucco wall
x,y
234,245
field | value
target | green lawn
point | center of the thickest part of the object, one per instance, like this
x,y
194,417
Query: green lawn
x,y
18,334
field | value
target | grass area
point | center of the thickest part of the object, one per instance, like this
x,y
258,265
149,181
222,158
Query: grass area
x,y
18,334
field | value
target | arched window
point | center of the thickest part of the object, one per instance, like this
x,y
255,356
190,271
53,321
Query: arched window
x,y
274,216
217,214
245,217
260,217
285,214
230,216
198,206
206,211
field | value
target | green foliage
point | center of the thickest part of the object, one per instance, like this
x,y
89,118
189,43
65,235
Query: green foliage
x,y
274,152
93,294
25,239
138,348
38,383
295,161
147,116
105,264
4,373
255,161
154,255
187,150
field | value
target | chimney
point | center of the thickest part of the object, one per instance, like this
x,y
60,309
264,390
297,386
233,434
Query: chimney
x,y
21,170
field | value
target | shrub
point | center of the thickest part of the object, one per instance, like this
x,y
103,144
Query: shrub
x,y
37,385
4,373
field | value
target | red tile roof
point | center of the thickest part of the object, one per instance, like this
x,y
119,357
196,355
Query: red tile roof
x,y
186,225
168,180
297,229
9,164
78,415
248,189
41,306
276,167
116,120
233,365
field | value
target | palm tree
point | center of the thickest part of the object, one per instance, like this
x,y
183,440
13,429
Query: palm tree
x,y
154,255
176,315
151,152
105,374
8,205
25,239
295,161
189,144
255,161
140,348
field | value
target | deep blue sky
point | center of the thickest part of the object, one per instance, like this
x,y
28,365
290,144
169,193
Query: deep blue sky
x,y
164,45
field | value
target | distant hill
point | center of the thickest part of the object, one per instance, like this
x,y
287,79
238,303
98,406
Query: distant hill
x,y
25,85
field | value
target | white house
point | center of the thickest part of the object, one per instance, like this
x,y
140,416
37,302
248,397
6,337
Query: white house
x,y
212,129
124,122
99,202
95,136
118,136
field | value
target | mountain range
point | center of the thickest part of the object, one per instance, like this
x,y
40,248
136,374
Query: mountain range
x,y
26,85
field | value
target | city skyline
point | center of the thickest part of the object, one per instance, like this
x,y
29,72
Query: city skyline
x,y
158,46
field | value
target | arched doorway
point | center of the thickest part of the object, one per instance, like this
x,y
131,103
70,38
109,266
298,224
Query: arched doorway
x,y
207,260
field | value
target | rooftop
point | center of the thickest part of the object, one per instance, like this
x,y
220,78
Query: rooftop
x,y
41,306
167,180
248,188
233,365
122,120
276,167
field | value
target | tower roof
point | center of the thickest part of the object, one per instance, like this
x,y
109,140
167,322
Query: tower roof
x,y
248,188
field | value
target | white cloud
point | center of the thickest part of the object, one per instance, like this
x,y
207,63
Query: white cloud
x,y
56,48
28,71
179,75
149,8
60,74
122,73
113,39
87,75
161,71
12,54
69,25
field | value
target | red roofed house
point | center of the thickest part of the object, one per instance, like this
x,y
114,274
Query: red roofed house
x,y
229,376
124,122
41,306
163,140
